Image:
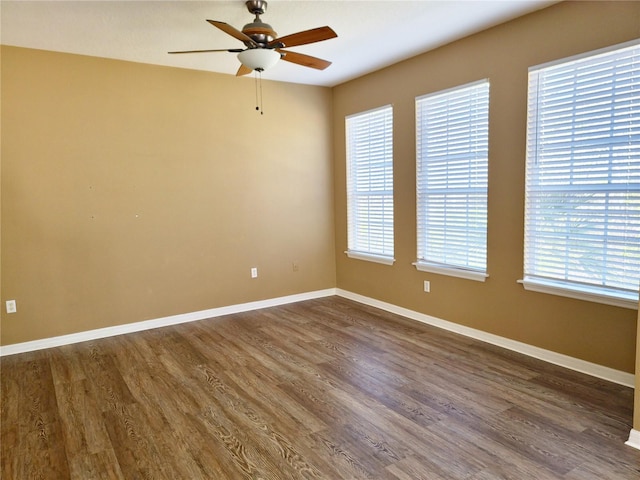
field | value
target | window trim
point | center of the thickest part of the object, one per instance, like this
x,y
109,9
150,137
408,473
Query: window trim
x,y
451,271
584,55
370,257
604,295
354,253
588,293
424,265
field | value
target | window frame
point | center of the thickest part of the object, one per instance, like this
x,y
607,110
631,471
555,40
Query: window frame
x,y
436,265
565,287
355,245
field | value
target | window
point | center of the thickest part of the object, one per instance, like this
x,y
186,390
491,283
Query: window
x,y
582,217
452,137
370,185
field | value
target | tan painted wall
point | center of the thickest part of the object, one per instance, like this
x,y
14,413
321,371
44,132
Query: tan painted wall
x,y
133,192
597,333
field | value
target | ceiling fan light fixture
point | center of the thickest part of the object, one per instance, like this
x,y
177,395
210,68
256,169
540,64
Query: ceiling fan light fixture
x,y
259,59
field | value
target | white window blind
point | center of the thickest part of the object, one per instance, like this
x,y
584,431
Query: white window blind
x,y
370,185
452,132
582,214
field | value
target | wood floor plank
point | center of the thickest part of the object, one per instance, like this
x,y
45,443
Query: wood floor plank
x,y
80,418
411,468
107,384
96,466
66,365
341,456
10,400
246,454
279,405
138,452
499,460
321,389
38,406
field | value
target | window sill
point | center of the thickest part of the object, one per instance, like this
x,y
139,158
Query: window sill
x,y
590,294
370,257
451,271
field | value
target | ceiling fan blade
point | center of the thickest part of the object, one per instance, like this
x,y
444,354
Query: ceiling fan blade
x,y
304,60
302,38
243,70
234,32
232,50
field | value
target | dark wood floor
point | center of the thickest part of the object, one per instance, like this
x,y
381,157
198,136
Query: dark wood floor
x,y
325,388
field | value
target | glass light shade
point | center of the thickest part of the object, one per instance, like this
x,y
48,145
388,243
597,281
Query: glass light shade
x,y
259,58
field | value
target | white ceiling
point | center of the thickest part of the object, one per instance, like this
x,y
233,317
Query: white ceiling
x,y
371,34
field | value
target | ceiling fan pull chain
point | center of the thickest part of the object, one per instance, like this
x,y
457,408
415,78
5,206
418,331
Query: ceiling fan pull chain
x,y
258,84
255,81
260,80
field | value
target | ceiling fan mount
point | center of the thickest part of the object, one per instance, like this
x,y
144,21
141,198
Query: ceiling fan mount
x,y
256,7
263,47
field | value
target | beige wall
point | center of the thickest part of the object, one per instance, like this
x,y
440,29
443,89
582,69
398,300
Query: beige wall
x,y
133,192
593,332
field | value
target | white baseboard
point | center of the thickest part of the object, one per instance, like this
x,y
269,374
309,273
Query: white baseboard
x,y
616,376
158,322
634,439
593,369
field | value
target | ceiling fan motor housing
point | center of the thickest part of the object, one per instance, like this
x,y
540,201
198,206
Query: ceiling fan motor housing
x,y
260,32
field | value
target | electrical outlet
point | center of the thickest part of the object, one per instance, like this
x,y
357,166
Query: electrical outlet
x,y
427,286
254,272
295,267
11,306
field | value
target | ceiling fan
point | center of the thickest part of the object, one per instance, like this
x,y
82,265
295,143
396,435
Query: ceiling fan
x,y
264,48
